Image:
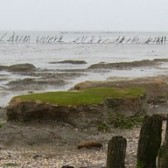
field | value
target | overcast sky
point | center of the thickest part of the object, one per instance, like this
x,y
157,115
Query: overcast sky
x,y
84,15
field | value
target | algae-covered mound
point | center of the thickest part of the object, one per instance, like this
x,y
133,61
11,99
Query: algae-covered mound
x,y
79,108
83,97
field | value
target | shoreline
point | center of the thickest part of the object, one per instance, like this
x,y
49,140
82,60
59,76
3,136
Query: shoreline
x,y
53,144
24,144
14,83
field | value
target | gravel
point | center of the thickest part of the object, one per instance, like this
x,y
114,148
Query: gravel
x,y
48,156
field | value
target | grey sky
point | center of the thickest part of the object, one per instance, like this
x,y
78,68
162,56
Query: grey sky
x,y
84,15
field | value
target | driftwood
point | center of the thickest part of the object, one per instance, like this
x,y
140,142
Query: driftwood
x,y
67,166
90,144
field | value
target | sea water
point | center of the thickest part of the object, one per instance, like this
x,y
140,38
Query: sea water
x,y
93,47
41,48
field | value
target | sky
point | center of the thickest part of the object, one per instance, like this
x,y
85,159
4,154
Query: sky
x,y
84,15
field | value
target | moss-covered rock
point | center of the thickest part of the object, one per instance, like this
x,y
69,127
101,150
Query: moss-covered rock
x,y
80,109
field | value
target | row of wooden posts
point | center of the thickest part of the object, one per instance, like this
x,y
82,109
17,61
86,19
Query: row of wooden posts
x,y
151,152
93,40
122,39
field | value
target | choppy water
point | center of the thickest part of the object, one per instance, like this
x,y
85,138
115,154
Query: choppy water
x,y
40,48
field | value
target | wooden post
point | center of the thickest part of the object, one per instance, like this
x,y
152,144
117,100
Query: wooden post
x,y
149,142
163,152
116,152
166,132
163,157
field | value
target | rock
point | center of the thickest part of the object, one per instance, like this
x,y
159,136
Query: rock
x,y
161,60
69,62
22,67
123,65
90,144
3,68
23,82
39,82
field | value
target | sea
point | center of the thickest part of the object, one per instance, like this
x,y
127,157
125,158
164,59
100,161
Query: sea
x,y
40,48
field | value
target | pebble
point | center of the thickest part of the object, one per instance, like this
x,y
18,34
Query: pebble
x,y
51,158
